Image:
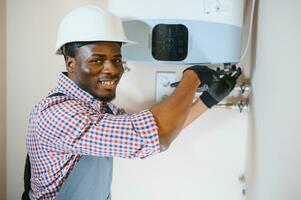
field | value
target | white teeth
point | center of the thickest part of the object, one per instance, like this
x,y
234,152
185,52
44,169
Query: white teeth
x,y
108,82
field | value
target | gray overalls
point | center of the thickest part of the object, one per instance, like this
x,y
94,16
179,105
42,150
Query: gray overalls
x,y
90,179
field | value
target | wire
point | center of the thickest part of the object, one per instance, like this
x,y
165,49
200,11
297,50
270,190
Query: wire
x,y
250,32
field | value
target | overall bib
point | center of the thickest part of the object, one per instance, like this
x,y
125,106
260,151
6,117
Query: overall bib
x,y
89,180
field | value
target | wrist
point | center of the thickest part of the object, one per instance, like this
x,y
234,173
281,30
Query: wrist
x,y
208,100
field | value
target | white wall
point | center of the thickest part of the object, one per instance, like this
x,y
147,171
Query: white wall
x,y
2,99
274,161
203,163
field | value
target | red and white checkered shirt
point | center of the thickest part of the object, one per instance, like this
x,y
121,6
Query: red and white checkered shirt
x,y
65,127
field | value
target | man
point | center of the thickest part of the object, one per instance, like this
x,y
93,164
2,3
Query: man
x,y
75,131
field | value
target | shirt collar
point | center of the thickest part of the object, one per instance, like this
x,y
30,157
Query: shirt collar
x,y
70,88
67,86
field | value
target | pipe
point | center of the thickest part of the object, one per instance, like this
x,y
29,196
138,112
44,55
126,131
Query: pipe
x,y
241,105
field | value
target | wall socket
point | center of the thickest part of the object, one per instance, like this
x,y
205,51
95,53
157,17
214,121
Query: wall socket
x,y
163,80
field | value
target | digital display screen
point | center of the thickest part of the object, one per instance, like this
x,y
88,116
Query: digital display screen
x,y
169,42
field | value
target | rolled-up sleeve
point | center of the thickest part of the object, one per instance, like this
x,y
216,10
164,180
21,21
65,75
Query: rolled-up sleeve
x,y
71,128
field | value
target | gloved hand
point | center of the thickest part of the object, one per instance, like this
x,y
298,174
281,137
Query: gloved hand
x,y
205,74
220,87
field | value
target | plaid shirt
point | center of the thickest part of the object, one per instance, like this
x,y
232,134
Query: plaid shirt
x,y
63,128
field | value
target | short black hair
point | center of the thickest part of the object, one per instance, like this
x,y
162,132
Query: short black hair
x,y
69,48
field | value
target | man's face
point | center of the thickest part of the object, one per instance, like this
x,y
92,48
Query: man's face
x,y
97,69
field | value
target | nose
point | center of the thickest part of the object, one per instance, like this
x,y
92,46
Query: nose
x,y
110,67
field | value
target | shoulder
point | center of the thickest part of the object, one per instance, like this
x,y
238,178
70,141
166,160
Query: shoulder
x,y
60,102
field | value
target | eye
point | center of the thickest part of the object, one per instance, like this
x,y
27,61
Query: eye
x,y
97,61
118,60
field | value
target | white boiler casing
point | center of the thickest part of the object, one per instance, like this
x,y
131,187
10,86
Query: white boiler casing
x,y
181,32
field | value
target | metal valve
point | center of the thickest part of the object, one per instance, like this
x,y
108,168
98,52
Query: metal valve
x,y
241,105
243,88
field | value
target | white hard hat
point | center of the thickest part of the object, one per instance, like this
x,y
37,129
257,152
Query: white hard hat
x,y
90,23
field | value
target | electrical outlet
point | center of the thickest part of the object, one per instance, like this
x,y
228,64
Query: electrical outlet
x,y
163,81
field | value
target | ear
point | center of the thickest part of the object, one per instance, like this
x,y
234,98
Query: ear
x,y
70,64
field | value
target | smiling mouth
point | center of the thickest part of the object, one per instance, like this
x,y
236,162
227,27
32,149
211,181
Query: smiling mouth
x,y
108,84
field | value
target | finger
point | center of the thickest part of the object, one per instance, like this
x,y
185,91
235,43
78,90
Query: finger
x,y
230,78
216,78
220,72
237,74
230,81
226,78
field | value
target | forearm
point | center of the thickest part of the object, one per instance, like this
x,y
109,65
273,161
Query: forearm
x,y
171,113
197,108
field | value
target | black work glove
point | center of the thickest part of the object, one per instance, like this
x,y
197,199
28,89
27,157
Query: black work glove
x,y
205,74
220,87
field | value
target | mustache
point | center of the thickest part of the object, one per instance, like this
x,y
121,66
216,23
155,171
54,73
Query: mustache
x,y
109,76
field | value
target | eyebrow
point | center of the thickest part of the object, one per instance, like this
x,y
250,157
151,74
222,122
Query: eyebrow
x,y
103,55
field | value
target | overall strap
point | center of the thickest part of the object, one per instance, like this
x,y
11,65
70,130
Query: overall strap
x,y
56,94
27,176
